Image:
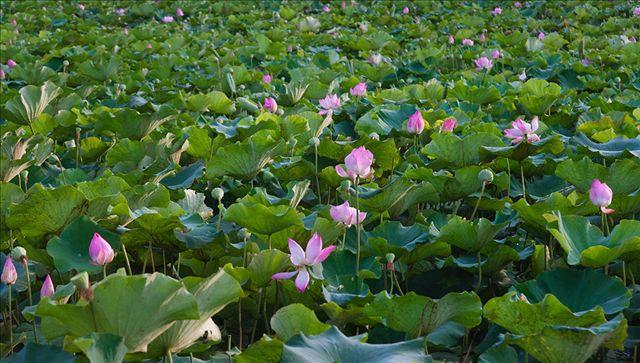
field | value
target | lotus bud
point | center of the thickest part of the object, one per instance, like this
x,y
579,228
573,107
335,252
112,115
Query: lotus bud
x,y
11,63
217,194
100,250
9,274
390,257
19,253
81,281
245,234
314,141
485,176
2,74
47,287
179,12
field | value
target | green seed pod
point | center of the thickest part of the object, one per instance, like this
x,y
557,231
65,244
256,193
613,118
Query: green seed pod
x,y
485,176
390,257
248,105
217,194
18,253
245,234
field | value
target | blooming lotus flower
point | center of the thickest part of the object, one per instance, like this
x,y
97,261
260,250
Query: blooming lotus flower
x,y
326,8
467,42
100,250
448,125
636,11
484,63
303,261
329,103
600,195
120,12
523,76
451,39
415,125
47,287
522,130
346,214
11,63
358,90
167,19
496,54
496,11
270,104
179,12
405,10
357,164
9,274
517,4
266,78
541,35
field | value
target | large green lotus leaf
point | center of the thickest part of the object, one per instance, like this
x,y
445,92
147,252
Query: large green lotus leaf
x,y
33,74
342,289
493,257
102,347
623,176
585,244
352,314
23,154
265,264
392,236
533,215
101,69
420,315
343,263
138,308
522,150
395,197
9,194
130,124
245,160
498,354
40,353
212,295
31,103
184,177
579,290
70,251
537,95
45,211
468,235
294,319
265,350
551,332
215,101
384,120
475,94
452,150
262,219
196,233
610,149
333,346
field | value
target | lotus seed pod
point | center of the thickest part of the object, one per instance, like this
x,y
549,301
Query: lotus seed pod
x,y
217,193
65,63
81,281
374,136
485,176
24,174
314,141
245,234
18,253
390,257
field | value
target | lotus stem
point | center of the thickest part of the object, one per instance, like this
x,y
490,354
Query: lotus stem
x,y
357,226
475,209
10,320
605,223
508,180
479,273
624,273
25,262
240,323
126,259
169,356
344,238
220,206
264,311
153,264
395,279
315,147
104,271
524,191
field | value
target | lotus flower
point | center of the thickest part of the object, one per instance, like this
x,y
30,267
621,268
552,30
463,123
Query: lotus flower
x,y
167,19
326,8
541,35
496,54
329,103
483,37
9,273
522,130
496,11
266,78
523,76
14,22
120,12
47,287
636,11
80,7
357,164
448,125
346,214
126,31
2,75
585,62
302,261
179,13
358,90
451,39
149,46
100,250
467,42
415,125
484,63
270,104
11,63
600,195
405,10
517,4
632,39
375,59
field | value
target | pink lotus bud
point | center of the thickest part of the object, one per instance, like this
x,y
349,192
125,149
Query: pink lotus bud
x,y
2,75
357,164
632,39
496,11
14,22
80,7
120,12
405,10
585,62
415,125
47,287
179,12
343,5
100,250
451,39
636,11
541,35
330,102
517,4
523,76
126,31
149,46
484,63
496,54
9,273
346,214
266,78
167,19
483,38
270,104
600,195
11,63
358,90
326,8
467,42
448,125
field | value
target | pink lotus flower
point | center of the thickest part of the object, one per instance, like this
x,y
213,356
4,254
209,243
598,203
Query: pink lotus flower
x,y
632,39
405,10
467,42
517,4
636,11
585,62
600,195
9,273
179,13
483,37
100,250
523,76
448,125
270,104
326,8
329,103
541,35
522,130
14,22
358,90
11,63
415,125
80,7
120,12
496,11
451,39
2,75
375,59
346,214
303,261
266,78
126,31
149,46
47,287
496,54
484,63
357,164
167,19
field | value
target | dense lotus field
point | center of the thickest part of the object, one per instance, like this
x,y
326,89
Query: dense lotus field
x,y
344,181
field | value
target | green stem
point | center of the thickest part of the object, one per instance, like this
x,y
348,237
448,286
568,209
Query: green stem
x,y
153,263
524,191
220,206
508,180
624,273
26,269
169,356
357,227
126,259
10,321
264,311
344,238
315,147
240,324
479,273
475,209
104,271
